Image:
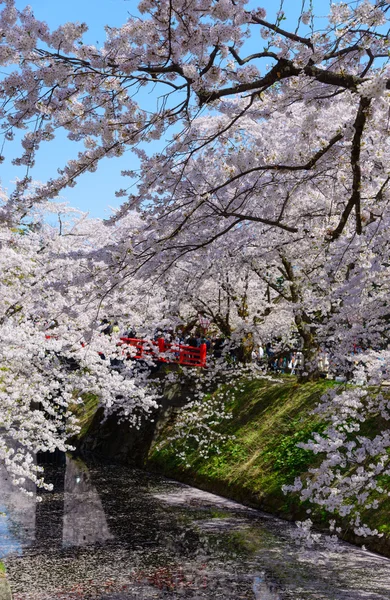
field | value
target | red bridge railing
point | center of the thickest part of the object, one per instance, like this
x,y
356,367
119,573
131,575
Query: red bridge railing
x,y
163,351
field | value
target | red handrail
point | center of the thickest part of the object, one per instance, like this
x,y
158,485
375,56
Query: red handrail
x,y
163,351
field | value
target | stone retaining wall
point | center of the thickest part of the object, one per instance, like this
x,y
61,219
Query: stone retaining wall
x,y
5,591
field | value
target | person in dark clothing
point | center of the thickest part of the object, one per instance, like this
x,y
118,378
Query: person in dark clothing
x,y
192,341
218,345
107,330
207,342
130,333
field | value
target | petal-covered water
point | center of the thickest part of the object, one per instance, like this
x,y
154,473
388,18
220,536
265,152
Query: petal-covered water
x,y
110,533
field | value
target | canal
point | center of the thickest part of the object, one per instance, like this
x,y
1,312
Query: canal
x,y
110,533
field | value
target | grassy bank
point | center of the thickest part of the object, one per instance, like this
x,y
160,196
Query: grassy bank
x,y
261,455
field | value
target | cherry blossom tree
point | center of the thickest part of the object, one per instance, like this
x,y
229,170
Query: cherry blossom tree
x,y
54,283
273,181
194,56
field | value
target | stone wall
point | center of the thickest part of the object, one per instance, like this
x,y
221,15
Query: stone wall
x,y
108,440
5,591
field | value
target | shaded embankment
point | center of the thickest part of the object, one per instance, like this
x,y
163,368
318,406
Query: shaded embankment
x,y
109,439
268,421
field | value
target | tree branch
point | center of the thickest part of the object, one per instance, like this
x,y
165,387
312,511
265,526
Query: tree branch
x,y
355,198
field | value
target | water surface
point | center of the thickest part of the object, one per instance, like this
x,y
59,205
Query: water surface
x,y
110,533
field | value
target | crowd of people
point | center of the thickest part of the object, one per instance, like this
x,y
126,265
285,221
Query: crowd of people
x,y
284,362
263,355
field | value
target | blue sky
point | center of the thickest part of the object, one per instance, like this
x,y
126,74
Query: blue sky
x,y
95,192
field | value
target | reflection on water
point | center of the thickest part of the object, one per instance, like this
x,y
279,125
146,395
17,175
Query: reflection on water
x,y
17,515
110,533
84,520
263,591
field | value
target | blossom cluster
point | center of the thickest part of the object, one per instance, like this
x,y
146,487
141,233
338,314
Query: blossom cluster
x,y
267,211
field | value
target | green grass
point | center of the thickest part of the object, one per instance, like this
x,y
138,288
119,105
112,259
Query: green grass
x,y
2,569
85,413
261,456
268,421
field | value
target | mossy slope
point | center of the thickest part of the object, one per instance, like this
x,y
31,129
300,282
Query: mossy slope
x,y
261,456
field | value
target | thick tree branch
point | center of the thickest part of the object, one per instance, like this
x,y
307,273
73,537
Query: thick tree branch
x,y
285,69
354,201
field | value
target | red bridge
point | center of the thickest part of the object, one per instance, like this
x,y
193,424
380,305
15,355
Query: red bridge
x,y
162,351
